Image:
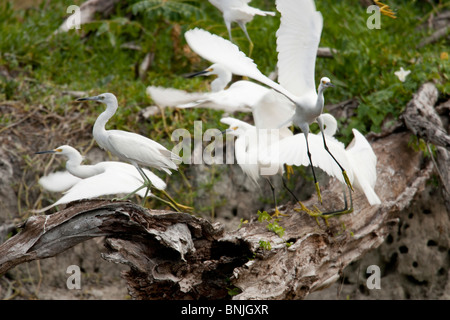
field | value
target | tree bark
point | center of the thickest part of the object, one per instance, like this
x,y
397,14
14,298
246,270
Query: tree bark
x,y
422,118
179,256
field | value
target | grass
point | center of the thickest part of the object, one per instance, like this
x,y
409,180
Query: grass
x,y
37,66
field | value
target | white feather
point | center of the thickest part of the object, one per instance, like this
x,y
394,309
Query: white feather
x,y
297,42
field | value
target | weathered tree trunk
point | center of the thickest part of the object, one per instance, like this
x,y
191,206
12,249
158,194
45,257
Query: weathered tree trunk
x,y
423,120
179,256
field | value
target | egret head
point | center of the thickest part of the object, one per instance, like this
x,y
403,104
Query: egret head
x,y
234,130
64,150
216,69
106,98
236,127
325,82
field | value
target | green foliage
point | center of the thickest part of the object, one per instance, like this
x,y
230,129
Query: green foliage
x,y
265,245
104,56
172,10
272,224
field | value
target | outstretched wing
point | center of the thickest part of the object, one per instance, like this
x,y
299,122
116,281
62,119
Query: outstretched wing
x,y
272,110
169,97
364,162
219,50
297,42
292,151
58,181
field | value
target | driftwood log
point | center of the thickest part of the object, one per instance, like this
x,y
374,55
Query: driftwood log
x,y
179,256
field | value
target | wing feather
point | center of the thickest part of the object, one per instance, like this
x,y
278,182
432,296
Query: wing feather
x,y
142,150
297,42
169,97
219,50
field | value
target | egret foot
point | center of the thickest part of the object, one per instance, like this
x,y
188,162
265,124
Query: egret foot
x,y
278,213
347,180
289,171
170,204
315,214
180,206
318,192
305,209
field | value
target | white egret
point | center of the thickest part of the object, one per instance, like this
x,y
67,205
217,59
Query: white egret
x,y
128,146
91,181
282,149
224,76
239,96
247,149
253,145
358,156
297,42
240,12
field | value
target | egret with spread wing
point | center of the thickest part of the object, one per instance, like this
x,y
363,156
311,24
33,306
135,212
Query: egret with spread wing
x,y
282,149
297,42
239,96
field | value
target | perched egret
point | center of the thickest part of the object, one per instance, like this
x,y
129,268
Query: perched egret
x,y
91,181
131,147
281,149
358,157
297,42
248,148
253,145
240,12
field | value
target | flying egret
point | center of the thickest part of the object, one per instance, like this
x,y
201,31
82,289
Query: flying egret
x,y
240,96
240,12
224,76
128,146
297,42
91,181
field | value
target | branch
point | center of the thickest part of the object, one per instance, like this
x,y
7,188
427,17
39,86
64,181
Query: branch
x,y
422,118
178,256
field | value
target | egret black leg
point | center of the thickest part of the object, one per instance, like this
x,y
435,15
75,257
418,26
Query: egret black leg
x,y
302,206
346,208
312,168
277,212
147,183
344,173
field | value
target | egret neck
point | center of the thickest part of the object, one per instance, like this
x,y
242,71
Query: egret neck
x,y
73,165
99,130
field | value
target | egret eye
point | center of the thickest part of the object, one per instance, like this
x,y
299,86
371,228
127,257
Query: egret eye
x,y
235,128
102,97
